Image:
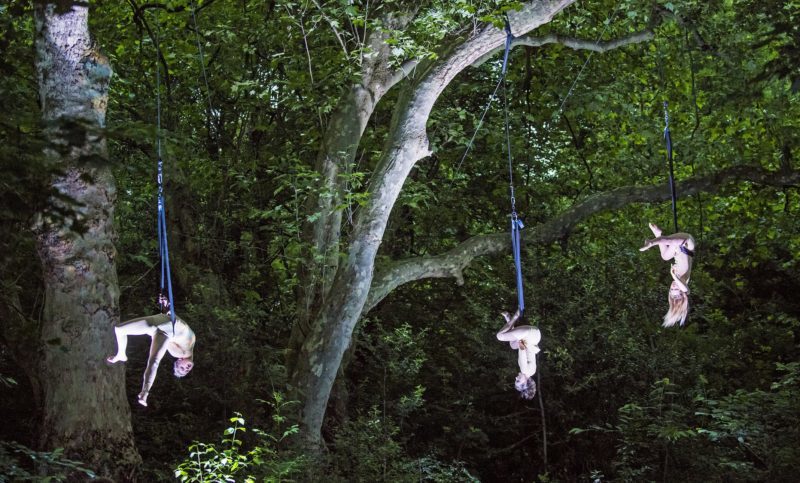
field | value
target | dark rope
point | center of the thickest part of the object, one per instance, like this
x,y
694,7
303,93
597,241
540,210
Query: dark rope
x,y
480,123
202,61
158,89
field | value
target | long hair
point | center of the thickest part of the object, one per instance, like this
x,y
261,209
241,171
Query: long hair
x,y
678,309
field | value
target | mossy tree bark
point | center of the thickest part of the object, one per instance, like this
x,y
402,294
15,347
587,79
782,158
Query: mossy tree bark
x,y
85,407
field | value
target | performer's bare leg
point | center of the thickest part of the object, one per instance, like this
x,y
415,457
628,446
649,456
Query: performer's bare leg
x,y
139,326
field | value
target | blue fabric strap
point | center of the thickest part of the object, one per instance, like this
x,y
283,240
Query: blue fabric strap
x,y
509,39
516,223
516,226
166,278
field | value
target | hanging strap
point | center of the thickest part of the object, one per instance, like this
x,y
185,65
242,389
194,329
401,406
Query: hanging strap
x,y
166,277
509,39
163,248
516,226
516,223
672,190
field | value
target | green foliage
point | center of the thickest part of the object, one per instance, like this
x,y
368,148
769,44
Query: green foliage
x,y
20,463
427,389
229,461
7,381
367,449
757,431
680,433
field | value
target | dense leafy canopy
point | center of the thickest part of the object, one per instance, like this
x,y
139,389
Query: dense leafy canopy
x,y
425,391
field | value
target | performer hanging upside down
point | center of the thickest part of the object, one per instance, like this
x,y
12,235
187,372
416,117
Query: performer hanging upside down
x,y
680,248
179,343
525,339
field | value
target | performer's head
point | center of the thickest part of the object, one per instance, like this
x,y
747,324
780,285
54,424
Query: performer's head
x,y
183,366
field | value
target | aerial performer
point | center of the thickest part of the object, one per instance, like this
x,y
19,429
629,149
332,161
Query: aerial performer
x,y
525,339
178,340
680,248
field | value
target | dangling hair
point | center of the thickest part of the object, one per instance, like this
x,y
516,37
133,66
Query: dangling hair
x,y
529,390
678,310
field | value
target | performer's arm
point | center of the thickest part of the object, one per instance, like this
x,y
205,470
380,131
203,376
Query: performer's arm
x,y
677,279
527,361
158,347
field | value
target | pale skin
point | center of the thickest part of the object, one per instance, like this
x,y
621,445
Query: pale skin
x,y
180,344
670,247
525,339
678,247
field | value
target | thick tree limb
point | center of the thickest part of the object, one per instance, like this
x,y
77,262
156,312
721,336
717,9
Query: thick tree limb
x,y
453,262
573,43
581,44
446,265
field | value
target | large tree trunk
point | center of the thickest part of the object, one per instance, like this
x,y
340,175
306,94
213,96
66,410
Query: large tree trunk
x,y
85,407
330,333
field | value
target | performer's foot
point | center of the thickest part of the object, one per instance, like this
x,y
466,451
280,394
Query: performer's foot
x,y
647,244
655,229
115,359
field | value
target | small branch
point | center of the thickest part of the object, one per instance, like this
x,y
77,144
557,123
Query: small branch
x,y
330,22
138,17
578,143
447,265
514,446
180,8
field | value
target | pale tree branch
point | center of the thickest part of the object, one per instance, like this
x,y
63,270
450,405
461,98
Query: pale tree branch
x,y
453,262
403,71
573,43
582,44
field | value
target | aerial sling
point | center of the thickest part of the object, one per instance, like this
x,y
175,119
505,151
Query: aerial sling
x,y
678,247
165,297
165,300
673,191
516,223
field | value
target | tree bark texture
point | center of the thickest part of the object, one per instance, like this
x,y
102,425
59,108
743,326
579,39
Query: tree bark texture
x,y
86,411
338,151
407,142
